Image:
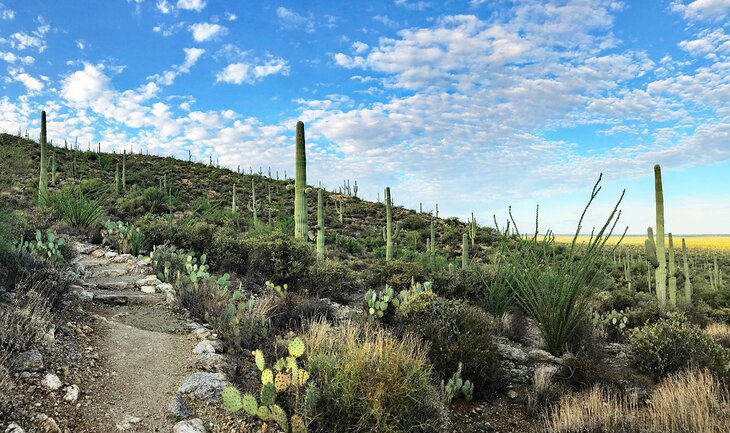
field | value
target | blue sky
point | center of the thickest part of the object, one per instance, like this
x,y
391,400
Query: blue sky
x,y
476,105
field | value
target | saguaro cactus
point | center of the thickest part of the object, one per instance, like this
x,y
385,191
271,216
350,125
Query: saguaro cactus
x,y
389,234
656,251
340,209
300,184
464,251
53,169
43,178
255,205
473,229
124,170
233,200
687,280
672,275
320,225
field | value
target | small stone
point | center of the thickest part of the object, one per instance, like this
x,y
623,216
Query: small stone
x,y
148,289
14,428
51,382
544,357
205,346
72,394
31,360
177,407
202,333
165,287
213,362
86,295
110,254
194,425
127,421
48,424
97,253
149,280
512,394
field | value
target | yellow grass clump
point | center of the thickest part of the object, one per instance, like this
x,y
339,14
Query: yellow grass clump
x,y
720,332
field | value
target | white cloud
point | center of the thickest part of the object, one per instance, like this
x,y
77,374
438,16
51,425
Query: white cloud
x,y
12,58
708,43
417,5
192,5
206,31
6,13
32,84
702,10
231,16
291,20
241,72
359,47
168,77
22,41
164,7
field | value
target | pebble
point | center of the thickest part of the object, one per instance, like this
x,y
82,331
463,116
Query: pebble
x,y
194,425
51,382
72,394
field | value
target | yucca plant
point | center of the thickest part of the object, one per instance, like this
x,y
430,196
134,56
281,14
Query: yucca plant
x,y
555,287
76,209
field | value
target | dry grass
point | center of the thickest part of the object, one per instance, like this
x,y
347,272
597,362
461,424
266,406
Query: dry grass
x,y
720,332
693,242
544,389
687,402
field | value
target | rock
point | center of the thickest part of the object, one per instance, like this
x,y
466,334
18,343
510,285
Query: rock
x,y
127,421
31,360
50,336
165,287
207,346
47,424
511,352
85,295
512,394
548,370
205,386
97,253
520,374
178,407
208,362
72,394
14,428
202,333
110,254
170,298
543,357
148,289
149,280
51,382
194,425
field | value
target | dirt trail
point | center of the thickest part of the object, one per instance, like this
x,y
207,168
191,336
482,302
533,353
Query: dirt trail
x,y
143,348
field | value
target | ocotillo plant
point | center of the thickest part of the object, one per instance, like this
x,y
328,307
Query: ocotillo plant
x,y
655,249
464,251
43,178
320,225
300,184
389,234
687,280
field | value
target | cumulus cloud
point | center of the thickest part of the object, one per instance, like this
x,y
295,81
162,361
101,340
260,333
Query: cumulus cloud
x,y
291,20
168,77
241,72
702,10
206,31
6,13
12,58
32,84
191,5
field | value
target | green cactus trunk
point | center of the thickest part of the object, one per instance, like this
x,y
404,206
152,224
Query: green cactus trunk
x,y
233,200
687,280
300,184
388,226
43,178
473,229
124,170
53,169
433,240
661,270
254,203
672,275
320,226
464,251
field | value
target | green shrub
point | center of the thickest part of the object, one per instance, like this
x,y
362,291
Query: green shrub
x,y
673,344
458,333
371,381
332,279
278,258
76,209
397,274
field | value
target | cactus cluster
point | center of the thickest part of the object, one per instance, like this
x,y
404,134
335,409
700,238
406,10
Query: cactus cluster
x,y
349,190
379,304
127,238
285,376
458,387
48,248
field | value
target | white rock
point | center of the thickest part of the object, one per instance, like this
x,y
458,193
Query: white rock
x,y
205,346
72,394
148,289
194,425
149,280
165,287
51,382
511,352
202,333
205,386
14,428
110,254
127,421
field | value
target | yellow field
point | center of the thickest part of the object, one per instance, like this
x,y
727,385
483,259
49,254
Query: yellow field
x,y
693,242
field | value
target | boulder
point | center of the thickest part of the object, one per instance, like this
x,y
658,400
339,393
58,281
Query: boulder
x,y
150,280
207,346
205,386
194,425
543,357
511,352
178,407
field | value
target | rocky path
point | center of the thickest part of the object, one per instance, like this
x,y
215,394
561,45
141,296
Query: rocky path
x,y
145,349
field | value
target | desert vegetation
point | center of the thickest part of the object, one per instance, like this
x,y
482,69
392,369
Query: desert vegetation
x,y
337,314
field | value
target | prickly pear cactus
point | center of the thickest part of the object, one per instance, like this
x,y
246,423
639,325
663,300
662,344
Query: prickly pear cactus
x,y
268,394
296,347
260,361
231,399
298,425
267,376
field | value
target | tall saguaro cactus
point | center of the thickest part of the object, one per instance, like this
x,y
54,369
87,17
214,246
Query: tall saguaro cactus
x,y
43,178
320,225
672,275
389,234
655,249
233,200
300,184
473,229
464,251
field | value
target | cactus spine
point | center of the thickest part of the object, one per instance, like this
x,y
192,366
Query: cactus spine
x,y
464,251
43,178
300,184
320,225
687,281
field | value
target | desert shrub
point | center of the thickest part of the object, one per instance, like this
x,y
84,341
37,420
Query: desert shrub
x,y
544,390
349,244
167,261
138,201
230,251
189,233
76,209
11,227
414,222
7,391
458,333
462,284
293,311
278,258
673,344
242,322
397,274
371,381
692,401
720,332
331,279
